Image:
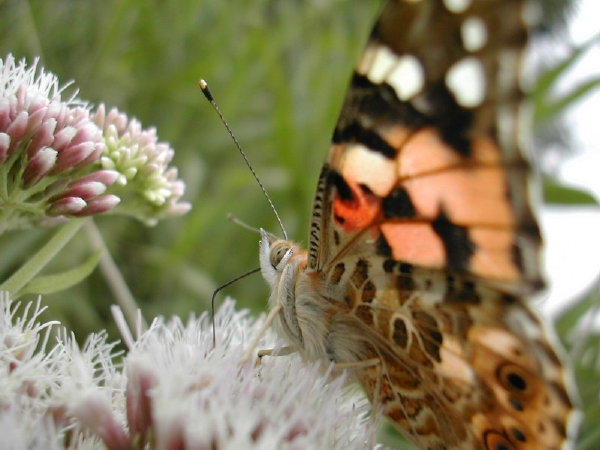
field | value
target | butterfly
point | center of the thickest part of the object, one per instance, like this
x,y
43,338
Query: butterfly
x,y
424,246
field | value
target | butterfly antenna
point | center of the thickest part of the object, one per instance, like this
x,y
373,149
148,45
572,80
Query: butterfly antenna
x,y
214,295
234,219
206,91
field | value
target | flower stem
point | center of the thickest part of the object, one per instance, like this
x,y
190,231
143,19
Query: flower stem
x,y
115,279
15,283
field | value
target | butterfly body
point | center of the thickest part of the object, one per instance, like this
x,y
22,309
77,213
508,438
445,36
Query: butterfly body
x,y
423,242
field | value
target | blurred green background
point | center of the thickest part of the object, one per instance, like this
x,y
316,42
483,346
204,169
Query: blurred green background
x,y
278,69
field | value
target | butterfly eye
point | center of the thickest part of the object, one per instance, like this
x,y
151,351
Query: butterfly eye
x,y
280,255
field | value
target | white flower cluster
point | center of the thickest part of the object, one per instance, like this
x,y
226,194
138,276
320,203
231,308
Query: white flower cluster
x,y
173,390
142,162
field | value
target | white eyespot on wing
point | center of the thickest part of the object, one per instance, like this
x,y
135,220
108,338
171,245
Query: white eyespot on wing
x,y
407,77
404,74
365,166
473,32
381,63
466,81
457,6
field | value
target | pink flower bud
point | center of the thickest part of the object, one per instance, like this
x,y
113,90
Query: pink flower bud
x,y
106,177
17,129
4,114
67,205
139,402
93,156
63,137
43,137
95,412
179,209
85,190
69,157
35,120
87,132
99,205
38,103
39,165
4,146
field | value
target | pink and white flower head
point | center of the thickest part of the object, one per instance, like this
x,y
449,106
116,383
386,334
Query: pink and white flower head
x,y
59,160
47,143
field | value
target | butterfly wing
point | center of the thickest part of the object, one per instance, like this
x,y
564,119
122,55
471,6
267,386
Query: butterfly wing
x,y
426,164
460,364
422,224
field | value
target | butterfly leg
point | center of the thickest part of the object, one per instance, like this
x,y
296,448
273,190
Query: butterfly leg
x,y
279,351
250,350
373,362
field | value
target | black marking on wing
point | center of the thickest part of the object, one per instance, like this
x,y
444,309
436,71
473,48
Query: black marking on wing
x,y
315,224
398,205
367,102
343,190
382,246
457,245
452,121
354,132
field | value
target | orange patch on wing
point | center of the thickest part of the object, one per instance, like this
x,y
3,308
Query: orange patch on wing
x,y
415,242
494,255
469,190
359,212
425,152
468,195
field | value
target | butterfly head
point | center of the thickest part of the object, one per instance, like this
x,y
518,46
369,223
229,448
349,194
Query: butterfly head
x,y
275,254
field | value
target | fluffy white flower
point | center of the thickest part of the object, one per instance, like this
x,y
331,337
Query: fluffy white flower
x,y
173,390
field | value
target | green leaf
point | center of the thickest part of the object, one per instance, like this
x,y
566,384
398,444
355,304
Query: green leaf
x,y
555,193
553,108
15,283
50,284
546,81
545,108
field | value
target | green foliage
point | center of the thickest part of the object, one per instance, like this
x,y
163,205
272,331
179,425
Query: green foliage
x,y
546,106
49,284
264,61
22,279
278,70
582,340
560,194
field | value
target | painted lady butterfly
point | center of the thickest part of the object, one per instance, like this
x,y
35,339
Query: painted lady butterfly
x,y
423,243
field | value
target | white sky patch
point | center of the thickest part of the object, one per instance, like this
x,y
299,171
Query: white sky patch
x,y
572,234
407,78
457,6
473,33
466,80
572,254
